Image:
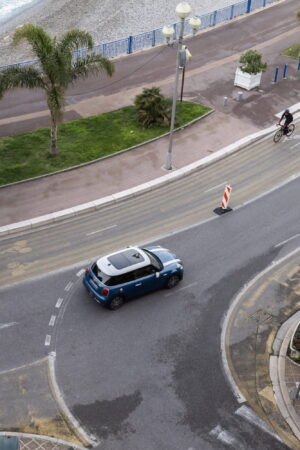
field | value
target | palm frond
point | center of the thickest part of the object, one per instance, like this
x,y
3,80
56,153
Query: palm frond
x,y
92,65
40,41
74,39
20,77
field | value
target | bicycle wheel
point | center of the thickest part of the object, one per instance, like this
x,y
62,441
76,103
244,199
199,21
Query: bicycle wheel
x,y
291,130
277,136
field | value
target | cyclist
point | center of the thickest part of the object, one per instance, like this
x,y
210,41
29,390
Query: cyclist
x,y
288,117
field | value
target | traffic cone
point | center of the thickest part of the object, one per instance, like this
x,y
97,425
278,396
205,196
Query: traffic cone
x,y
224,208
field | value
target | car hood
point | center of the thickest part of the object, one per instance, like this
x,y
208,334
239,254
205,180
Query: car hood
x,y
163,254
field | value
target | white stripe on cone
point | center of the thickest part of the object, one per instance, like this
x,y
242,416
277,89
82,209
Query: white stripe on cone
x,y
226,197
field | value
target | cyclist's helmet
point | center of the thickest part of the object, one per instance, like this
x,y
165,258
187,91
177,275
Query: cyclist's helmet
x,y
286,111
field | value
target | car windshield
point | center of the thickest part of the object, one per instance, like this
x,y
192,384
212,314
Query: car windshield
x,y
155,261
103,277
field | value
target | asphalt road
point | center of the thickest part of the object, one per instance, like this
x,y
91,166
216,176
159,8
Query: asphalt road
x,y
250,172
150,375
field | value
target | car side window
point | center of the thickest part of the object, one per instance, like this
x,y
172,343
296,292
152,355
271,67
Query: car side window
x,y
144,272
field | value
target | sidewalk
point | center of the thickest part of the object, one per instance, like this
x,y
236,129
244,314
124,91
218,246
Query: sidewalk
x,y
207,83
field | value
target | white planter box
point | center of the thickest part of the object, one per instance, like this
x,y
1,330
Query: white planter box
x,y
246,80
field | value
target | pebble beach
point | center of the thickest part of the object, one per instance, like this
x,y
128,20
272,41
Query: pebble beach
x,y
106,20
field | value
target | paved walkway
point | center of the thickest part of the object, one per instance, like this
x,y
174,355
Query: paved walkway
x,y
207,82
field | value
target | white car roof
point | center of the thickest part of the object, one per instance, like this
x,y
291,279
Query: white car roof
x,y
123,261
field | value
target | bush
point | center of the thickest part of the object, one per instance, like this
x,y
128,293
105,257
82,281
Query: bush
x,y
252,63
153,109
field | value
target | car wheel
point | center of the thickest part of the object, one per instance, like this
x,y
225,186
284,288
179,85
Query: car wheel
x,y
172,281
115,303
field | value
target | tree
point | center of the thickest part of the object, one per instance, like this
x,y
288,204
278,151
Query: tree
x,y
55,70
298,14
252,62
152,107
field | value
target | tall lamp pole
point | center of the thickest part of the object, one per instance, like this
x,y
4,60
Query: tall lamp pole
x,y
182,11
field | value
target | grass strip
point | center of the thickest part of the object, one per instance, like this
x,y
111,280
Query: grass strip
x,y
293,51
27,155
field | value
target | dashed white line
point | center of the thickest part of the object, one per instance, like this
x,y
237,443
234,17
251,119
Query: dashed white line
x,y
102,229
216,187
6,325
224,436
81,271
287,240
68,286
48,339
59,302
52,321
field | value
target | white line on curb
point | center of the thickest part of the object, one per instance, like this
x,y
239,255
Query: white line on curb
x,y
48,340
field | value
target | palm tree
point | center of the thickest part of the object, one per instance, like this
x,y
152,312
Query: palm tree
x,y
56,68
152,107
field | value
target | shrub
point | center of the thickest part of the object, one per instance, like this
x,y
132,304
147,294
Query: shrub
x,y
252,62
152,107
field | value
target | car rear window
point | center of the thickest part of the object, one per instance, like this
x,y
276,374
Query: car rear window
x,y
126,259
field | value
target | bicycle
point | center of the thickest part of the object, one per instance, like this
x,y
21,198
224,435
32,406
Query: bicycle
x,y
279,133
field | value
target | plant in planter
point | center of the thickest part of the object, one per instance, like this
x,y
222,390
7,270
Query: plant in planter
x,y
248,75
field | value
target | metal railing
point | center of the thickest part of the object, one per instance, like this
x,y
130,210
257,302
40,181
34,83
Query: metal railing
x,y
151,38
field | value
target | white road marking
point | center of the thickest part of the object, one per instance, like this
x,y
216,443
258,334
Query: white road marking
x,y
249,415
69,285
48,340
81,271
182,288
216,187
52,321
102,229
287,240
59,302
6,325
224,436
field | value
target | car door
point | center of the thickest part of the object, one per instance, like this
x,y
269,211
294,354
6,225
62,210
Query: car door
x,y
145,280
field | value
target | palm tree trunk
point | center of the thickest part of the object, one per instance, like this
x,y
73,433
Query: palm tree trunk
x,y
53,133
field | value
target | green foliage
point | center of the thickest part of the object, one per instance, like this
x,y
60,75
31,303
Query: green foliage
x,y
152,107
293,51
252,62
25,155
56,69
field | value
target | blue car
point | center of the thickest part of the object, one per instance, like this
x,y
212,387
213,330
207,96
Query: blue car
x,y
130,273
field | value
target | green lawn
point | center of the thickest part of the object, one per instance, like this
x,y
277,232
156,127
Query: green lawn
x,y
293,51
26,155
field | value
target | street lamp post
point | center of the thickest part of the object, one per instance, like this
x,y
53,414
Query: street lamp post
x,y
182,11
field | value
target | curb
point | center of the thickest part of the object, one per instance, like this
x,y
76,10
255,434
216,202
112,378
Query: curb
x,y
277,373
148,186
73,423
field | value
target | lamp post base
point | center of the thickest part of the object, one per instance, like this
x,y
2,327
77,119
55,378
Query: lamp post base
x,y
168,165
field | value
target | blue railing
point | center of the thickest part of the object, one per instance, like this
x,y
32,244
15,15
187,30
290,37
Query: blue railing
x,y
151,38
